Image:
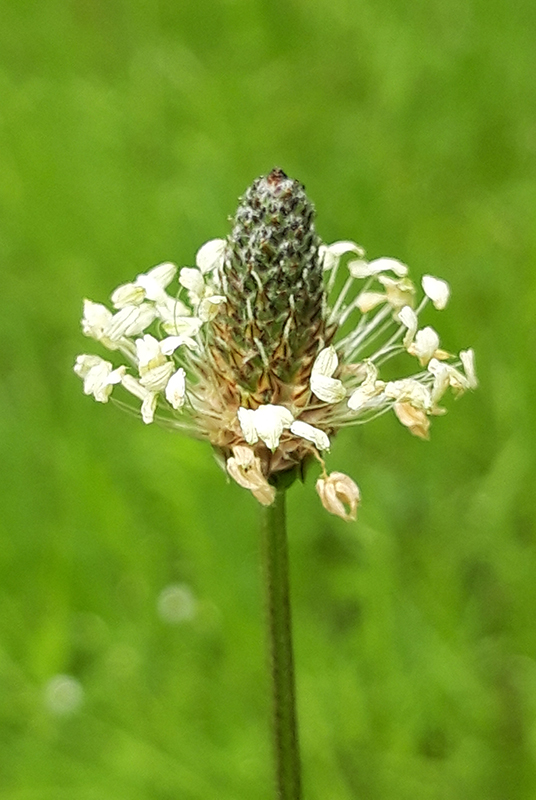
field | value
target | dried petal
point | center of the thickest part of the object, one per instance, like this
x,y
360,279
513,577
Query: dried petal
x,y
245,468
337,491
414,419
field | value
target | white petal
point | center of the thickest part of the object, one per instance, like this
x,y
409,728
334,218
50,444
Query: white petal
x,y
98,376
246,418
270,421
358,268
358,399
96,381
130,321
467,357
156,279
163,274
366,301
330,253
183,326
128,294
441,375
329,390
408,317
116,376
425,345
132,385
192,279
169,308
208,307
363,269
151,288
148,407
312,434
155,379
176,389
172,343
458,382
437,290
103,392
95,319
84,363
210,255
148,352
326,362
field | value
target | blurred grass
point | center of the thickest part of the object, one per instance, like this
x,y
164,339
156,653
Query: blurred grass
x,y
127,131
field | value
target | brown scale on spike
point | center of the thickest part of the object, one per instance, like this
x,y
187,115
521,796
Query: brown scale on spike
x,y
265,340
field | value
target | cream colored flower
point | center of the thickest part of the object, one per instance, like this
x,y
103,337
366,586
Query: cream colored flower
x,y
265,350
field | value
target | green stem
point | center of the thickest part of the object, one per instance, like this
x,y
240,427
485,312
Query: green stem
x,y
280,639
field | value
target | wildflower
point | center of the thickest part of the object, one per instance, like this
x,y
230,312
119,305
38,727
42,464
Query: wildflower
x,y
259,350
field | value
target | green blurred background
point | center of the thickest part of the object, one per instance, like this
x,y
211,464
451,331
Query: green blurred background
x,y
128,129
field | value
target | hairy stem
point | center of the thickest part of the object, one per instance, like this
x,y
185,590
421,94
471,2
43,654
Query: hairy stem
x,y
276,574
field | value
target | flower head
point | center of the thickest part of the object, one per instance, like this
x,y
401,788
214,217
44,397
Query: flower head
x,y
259,350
